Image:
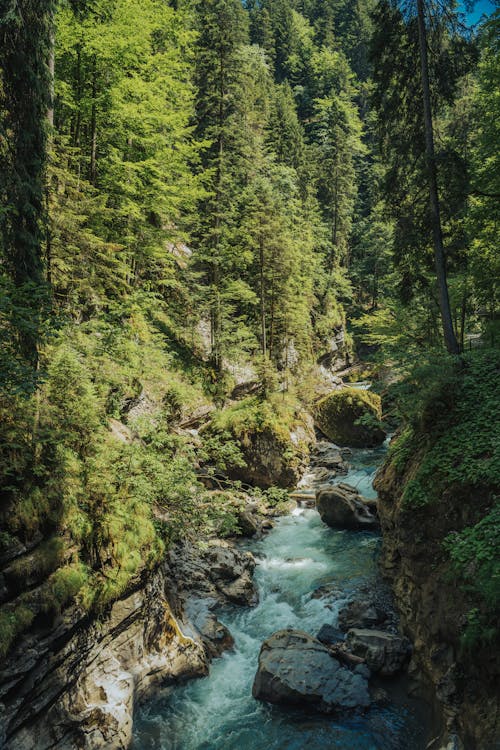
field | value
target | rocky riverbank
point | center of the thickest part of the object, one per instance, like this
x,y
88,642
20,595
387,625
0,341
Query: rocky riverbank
x,y
78,685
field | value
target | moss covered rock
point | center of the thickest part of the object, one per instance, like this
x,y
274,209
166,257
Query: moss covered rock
x,y
351,417
264,443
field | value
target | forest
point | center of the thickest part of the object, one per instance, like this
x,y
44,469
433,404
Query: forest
x,y
213,215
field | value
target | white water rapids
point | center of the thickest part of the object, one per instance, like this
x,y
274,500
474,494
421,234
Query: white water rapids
x,y
218,712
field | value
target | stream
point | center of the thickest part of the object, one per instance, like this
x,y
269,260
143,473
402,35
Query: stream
x,y
297,557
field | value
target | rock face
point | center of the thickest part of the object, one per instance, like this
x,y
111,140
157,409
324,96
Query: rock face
x,y
330,458
463,687
219,573
384,653
296,669
76,685
342,507
372,609
338,417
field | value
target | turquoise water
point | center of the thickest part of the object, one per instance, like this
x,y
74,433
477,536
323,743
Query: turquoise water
x,y
218,712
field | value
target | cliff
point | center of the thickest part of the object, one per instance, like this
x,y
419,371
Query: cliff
x,y
439,520
76,684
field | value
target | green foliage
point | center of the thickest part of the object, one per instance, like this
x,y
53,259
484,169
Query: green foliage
x,y
476,564
25,47
450,406
13,622
474,554
233,430
64,585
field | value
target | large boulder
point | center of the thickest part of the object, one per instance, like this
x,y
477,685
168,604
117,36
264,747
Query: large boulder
x,y
219,572
267,442
383,652
351,417
296,669
342,507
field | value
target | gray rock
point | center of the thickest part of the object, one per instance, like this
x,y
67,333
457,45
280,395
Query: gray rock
x,y
345,509
328,457
329,635
361,614
247,523
220,572
74,683
383,653
296,669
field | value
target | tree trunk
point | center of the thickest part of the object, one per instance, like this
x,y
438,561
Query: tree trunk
x,y
435,215
93,127
216,312
52,69
262,299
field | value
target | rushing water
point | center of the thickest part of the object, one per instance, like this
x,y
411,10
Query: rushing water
x,y
218,712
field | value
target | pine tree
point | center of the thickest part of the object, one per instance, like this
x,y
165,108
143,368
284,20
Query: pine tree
x,y
408,102
25,90
222,32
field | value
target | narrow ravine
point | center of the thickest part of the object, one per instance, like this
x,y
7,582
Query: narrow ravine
x,y
298,557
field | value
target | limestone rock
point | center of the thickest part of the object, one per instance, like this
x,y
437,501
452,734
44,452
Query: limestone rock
x,y
330,458
384,653
274,454
296,669
361,614
343,508
76,683
219,572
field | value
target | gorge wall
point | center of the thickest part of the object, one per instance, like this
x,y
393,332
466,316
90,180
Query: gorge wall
x,y
76,686
463,684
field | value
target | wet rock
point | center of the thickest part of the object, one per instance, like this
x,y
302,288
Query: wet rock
x,y
296,669
345,509
275,455
266,525
220,572
75,683
247,523
75,686
384,653
216,637
380,696
328,635
330,459
328,591
361,614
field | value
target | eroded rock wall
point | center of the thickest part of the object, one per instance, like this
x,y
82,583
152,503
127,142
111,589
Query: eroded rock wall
x,y
77,686
464,686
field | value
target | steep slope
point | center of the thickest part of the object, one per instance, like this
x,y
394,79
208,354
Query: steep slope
x,y
440,522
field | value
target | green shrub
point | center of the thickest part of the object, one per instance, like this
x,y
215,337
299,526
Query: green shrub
x,y
452,428
475,558
13,622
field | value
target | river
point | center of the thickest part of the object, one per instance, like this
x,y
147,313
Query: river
x,y
218,712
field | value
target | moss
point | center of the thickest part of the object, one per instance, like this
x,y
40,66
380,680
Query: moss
x,y
43,561
64,585
351,417
13,622
252,440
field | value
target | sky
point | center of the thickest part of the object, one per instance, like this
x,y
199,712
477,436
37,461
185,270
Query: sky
x,y
480,7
